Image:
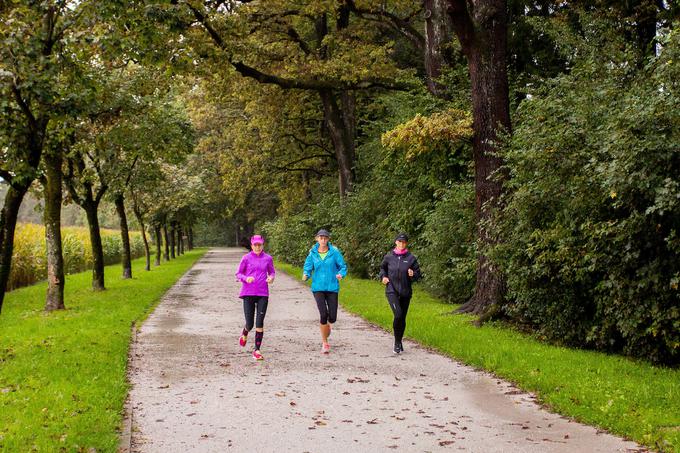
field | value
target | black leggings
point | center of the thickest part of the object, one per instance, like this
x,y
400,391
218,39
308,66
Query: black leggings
x,y
249,303
327,303
399,306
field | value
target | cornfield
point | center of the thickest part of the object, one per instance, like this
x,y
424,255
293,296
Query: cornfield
x,y
29,259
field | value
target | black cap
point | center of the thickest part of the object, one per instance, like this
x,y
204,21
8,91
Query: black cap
x,y
323,232
401,237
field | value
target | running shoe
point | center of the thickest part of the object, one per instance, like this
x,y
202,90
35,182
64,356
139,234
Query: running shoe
x,y
325,348
242,340
397,347
257,355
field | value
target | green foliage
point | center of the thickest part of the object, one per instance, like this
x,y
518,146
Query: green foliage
x,y
425,193
591,246
63,376
29,264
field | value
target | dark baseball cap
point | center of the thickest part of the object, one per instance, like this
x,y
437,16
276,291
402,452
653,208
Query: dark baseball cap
x,y
401,237
323,232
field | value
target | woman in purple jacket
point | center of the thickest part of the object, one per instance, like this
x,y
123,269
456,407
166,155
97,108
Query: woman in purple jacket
x,y
256,271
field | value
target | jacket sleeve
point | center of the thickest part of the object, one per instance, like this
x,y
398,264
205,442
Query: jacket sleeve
x,y
383,268
271,272
242,269
417,275
342,266
309,264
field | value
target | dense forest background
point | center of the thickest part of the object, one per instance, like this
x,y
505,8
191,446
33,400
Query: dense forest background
x,y
531,149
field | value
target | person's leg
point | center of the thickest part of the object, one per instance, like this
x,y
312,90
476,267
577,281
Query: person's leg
x,y
262,303
399,322
249,313
324,327
332,307
404,302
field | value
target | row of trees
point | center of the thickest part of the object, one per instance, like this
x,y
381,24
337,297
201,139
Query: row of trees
x,y
422,117
83,118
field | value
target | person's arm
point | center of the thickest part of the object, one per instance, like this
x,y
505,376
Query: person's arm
x,y
415,267
307,268
242,269
384,270
271,272
342,266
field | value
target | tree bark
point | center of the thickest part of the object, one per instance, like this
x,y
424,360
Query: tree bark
x,y
90,207
52,219
140,220
172,240
341,130
481,27
8,223
438,33
157,231
180,240
167,243
190,238
126,260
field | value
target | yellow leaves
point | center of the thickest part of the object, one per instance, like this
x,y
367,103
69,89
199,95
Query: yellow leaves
x,y
422,134
612,194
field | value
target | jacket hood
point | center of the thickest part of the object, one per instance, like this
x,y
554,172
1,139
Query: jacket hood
x,y
315,248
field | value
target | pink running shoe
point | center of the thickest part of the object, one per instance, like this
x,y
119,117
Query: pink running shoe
x,y
325,348
257,355
242,340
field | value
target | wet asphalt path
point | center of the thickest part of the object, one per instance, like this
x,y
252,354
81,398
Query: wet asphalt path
x,y
195,389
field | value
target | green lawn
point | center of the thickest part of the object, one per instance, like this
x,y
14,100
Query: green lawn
x,y
630,398
63,374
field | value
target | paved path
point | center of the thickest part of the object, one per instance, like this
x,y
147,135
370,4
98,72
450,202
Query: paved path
x,y
195,389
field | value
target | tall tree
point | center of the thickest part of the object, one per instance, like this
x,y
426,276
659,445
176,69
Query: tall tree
x,y
31,57
328,49
481,28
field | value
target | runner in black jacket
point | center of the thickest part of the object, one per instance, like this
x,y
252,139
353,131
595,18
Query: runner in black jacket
x,y
398,270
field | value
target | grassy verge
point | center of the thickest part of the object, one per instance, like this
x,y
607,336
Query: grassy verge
x,y
630,398
63,374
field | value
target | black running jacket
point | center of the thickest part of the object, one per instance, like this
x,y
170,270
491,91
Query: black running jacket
x,y
395,267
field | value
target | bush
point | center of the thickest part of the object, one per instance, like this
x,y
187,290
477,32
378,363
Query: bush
x,y
592,252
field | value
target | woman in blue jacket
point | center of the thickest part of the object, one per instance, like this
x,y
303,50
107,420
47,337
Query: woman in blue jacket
x,y
326,264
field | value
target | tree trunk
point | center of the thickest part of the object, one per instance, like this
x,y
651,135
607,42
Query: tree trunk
x,y
340,126
438,33
482,32
190,238
180,240
172,240
91,207
157,231
140,220
126,260
8,223
52,219
167,242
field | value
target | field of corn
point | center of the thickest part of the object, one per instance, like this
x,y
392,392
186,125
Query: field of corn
x,y
29,260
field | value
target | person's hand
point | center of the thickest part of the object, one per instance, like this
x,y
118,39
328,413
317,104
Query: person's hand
x,y
410,272
385,280
250,279
338,276
304,277
270,279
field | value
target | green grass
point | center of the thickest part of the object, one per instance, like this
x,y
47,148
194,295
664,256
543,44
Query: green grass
x,y
630,398
63,374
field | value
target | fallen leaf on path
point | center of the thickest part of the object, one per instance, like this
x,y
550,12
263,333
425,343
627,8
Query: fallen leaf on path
x,y
164,386
191,415
320,423
444,443
373,422
280,393
293,403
